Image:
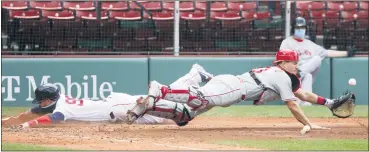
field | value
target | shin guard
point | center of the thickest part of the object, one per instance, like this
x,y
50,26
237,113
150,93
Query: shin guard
x,y
178,112
140,108
189,95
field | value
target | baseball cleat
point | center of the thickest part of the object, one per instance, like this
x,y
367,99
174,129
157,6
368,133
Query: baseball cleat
x,y
181,124
205,76
131,117
112,117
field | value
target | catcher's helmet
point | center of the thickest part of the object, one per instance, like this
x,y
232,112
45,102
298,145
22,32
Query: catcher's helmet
x,y
286,55
300,22
46,91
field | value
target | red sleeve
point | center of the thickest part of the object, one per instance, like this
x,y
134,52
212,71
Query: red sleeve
x,y
43,120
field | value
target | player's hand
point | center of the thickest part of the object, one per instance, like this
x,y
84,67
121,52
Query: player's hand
x,y
313,126
308,128
25,125
305,129
20,127
351,51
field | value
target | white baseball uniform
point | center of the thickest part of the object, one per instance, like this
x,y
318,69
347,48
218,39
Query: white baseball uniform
x,y
222,90
89,110
310,59
118,103
225,90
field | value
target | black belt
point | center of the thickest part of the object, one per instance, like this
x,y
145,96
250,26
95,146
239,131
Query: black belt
x,y
252,74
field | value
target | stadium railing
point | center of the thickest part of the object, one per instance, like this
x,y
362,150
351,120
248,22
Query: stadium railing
x,y
147,27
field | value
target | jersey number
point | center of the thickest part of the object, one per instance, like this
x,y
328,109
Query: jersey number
x,y
259,70
73,101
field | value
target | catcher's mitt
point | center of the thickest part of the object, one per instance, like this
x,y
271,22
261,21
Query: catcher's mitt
x,y
343,106
351,51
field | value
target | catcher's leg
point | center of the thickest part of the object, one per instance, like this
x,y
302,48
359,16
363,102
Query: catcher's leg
x,y
182,94
119,114
196,75
178,112
188,95
224,90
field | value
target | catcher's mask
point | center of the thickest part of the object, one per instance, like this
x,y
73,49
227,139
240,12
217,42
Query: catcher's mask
x,y
46,91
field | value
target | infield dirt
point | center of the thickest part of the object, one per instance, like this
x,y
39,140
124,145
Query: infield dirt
x,y
199,134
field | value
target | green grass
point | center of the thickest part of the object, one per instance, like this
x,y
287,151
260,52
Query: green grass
x,y
244,111
12,111
300,144
278,111
13,146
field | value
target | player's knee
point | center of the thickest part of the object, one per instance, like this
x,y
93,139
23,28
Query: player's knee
x,y
317,60
307,82
308,77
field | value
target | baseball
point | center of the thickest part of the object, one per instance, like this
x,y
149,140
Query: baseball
x,y
352,82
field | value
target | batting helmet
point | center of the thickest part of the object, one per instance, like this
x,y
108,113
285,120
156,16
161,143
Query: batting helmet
x,y
46,91
286,55
300,22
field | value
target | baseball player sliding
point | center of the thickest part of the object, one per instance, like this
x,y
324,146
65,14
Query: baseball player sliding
x,y
311,55
59,107
183,103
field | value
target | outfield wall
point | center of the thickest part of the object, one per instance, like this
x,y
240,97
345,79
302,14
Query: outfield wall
x,y
96,77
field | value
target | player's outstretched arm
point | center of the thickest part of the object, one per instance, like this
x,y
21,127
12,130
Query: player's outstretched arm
x,y
33,113
351,51
44,120
313,98
306,96
300,116
334,53
297,112
21,118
